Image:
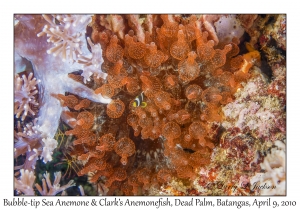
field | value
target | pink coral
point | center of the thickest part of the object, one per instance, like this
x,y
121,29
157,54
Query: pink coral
x,y
66,35
55,188
25,95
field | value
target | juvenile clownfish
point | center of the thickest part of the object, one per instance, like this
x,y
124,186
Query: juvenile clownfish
x,y
139,101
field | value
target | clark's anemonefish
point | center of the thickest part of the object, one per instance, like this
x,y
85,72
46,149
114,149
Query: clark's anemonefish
x,y
139,101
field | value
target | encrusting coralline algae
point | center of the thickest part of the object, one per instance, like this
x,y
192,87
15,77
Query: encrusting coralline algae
x,y
151,104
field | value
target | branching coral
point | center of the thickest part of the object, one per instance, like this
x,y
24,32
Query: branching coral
x,y
32,143
52,70
34,137
92,62
25,95
26,182
67,35
274,177
55,188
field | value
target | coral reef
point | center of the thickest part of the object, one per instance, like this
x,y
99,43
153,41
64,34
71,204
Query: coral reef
x,y
275,172
25,91
256,110
154,104
26,182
